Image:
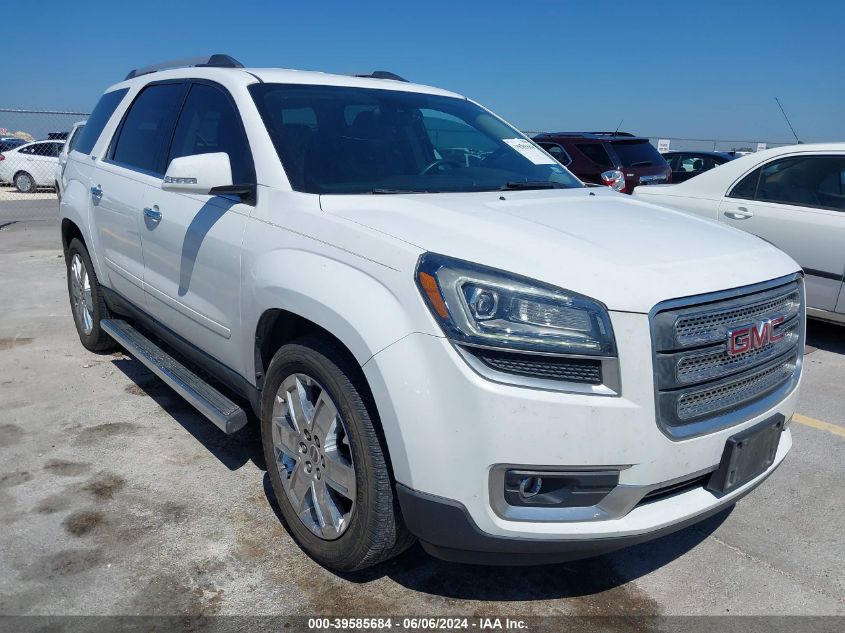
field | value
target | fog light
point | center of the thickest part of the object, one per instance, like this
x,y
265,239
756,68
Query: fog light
x,y
530,487
561,489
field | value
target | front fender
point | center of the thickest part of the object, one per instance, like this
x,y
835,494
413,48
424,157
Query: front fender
x,y
367,306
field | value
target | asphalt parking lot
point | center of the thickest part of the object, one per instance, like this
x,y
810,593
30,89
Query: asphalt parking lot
x,y
117,498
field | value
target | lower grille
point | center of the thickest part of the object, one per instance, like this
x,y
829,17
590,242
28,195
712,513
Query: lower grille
x,y
676,488
580,370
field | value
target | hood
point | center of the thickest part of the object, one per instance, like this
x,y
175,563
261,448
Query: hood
x,y
625,253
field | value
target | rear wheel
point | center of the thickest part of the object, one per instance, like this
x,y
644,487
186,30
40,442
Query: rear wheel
x,y
86,299
325,460
24,182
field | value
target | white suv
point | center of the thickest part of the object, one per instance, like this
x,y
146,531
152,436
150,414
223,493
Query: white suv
x,y
444,333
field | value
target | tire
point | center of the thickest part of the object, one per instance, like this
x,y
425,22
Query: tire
x,y
24,182
87,305
321,373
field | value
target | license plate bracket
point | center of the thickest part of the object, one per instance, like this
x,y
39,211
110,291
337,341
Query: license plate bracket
x,y
747,455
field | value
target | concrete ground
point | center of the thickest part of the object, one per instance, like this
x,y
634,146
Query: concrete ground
x,y
117,498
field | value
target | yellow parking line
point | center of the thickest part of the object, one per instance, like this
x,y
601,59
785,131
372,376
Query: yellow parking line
x,y
819,424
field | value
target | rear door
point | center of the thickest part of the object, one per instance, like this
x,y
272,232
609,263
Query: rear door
x,y
41,160
798,204
134,161
192,253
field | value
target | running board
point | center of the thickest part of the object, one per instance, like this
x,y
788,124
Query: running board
x,y
205,398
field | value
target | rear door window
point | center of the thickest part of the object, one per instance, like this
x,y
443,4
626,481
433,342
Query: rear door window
x,y
696,163
596,153
747,187
637,153
144,135
73,141
557,151
98,118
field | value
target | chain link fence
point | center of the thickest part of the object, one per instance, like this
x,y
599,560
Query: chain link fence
x,y
715,145
30,145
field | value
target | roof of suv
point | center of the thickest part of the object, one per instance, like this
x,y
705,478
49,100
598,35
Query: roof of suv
x,y
377,80
596,137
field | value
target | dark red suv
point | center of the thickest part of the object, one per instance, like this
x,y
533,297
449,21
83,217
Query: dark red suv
x,y
617,159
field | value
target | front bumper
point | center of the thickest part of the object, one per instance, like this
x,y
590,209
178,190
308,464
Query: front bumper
x,y
448,429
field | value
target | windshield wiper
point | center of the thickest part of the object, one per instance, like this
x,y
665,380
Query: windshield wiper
x,y
530,184
642,163
389,191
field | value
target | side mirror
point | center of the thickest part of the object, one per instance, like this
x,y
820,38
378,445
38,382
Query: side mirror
x,y
199,173
208,175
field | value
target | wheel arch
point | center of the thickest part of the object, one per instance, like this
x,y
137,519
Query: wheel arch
x,y
69,231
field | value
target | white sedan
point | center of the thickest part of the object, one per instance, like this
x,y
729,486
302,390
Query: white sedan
x,y
793,197
31,165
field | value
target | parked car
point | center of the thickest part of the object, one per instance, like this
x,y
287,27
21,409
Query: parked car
x,y
10,142
31,165
72,137
617,159
792,197
685,165
477,351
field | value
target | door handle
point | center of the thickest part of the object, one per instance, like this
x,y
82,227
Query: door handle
x,y
153,214
97,192
740,213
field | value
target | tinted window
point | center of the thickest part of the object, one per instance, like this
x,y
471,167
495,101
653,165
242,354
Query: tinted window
x,y
341,140
808,181
97,120
637,153
596,153
74,138
144,135
696,163
747,187
209,124
557,151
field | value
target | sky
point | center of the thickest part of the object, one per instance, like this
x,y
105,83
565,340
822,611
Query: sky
x,y
682,69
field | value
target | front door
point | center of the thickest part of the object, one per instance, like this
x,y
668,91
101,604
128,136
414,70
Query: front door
x,y
192,244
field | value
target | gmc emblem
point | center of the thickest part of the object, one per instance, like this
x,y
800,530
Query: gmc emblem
x,y
750,337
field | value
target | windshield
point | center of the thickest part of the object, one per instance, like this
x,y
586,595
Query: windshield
x,y
637,154
342,140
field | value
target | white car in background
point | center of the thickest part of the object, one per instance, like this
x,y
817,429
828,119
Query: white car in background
x,y
72,138
32,165
792,197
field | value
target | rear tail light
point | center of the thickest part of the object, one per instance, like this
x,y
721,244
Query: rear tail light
x,y
2,157
614,179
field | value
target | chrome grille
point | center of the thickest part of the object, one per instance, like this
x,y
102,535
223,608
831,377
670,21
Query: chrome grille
x,y
735,392
699,386
695,367
713,324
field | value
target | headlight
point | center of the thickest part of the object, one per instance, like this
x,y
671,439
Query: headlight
x,y
476,305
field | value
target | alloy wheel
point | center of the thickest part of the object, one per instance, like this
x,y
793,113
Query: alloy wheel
x,y
313,455
80,295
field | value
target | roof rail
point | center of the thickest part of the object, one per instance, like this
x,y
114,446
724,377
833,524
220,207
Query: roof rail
x,y
209,61
611,133
383,74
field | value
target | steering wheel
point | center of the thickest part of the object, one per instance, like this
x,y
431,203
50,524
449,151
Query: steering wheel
x,y
438,163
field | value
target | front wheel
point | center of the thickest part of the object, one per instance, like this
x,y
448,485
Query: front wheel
x,y
325,460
